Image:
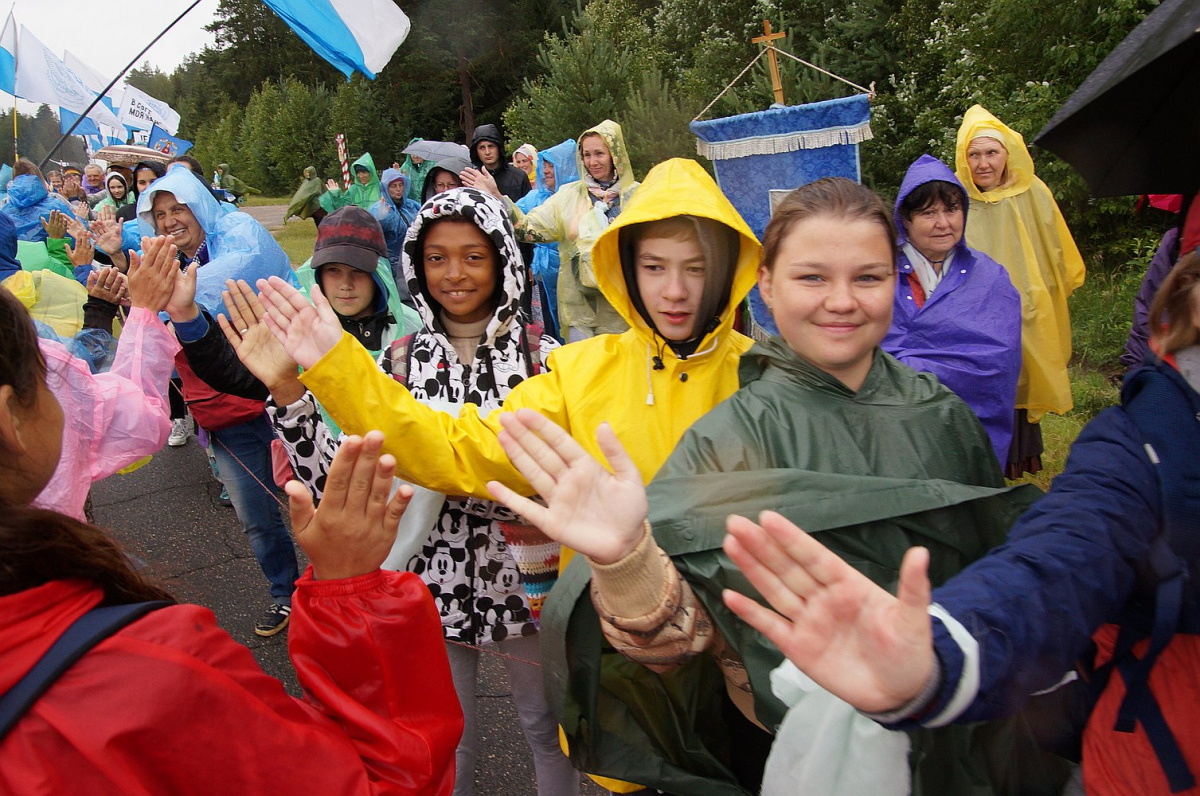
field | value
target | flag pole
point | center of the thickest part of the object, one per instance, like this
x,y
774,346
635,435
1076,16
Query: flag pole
x,y
112,83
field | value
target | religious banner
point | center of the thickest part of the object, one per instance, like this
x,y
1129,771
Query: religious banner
x,y
140,111
760,157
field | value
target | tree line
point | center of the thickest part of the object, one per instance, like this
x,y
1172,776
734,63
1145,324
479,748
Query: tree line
x,y
546,69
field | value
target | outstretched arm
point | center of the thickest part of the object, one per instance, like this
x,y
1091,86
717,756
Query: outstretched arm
x,y
857,641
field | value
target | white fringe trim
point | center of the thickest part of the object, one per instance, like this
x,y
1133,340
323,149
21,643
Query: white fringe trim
x,y
788,142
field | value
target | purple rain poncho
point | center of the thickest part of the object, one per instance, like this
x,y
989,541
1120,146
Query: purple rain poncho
x,y
968,333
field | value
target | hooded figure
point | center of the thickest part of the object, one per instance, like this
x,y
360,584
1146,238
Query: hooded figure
x,y
415,172
452,164
394,217
967,330
511,181
235,246
1019,225
29,203
127,197
306,201
232,184
560,159
359,193
574,218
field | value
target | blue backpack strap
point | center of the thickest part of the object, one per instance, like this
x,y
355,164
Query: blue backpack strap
x,y
1167,413
84,633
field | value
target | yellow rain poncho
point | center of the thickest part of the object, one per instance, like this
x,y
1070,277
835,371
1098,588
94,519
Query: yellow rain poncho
x,y
1020,226
606,378
575,219
51,299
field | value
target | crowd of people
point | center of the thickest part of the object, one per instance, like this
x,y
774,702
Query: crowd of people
x,y
514,409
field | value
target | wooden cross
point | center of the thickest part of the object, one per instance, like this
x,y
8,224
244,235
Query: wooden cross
x,y
772,61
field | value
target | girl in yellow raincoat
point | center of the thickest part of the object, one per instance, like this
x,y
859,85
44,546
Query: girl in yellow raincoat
x,y
1015,220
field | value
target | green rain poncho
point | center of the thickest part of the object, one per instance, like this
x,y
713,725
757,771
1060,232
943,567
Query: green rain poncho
x,y
416,173
233,184
358,194
899,463
307,199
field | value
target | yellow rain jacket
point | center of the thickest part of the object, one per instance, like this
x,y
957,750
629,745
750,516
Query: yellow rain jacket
x,y
606,378
574,219
1020,226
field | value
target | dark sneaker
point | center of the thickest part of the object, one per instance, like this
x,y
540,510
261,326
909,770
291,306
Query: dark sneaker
x,y
274,620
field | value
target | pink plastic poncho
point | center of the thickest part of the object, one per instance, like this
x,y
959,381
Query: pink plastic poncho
x,y
110,419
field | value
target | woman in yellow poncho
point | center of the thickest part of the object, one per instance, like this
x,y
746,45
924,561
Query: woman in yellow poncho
x,y
1015,220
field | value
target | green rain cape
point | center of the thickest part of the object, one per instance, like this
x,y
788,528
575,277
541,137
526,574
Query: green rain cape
x,y
901,462
307,198
358,194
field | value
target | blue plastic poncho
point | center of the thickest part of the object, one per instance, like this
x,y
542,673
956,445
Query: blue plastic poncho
x,y
238,246
29,201
545,255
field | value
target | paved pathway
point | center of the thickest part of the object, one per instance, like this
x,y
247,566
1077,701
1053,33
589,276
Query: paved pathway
x,y
270,216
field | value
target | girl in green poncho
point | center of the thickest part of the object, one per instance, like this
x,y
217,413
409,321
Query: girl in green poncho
x,y
830,431
118,192
364,191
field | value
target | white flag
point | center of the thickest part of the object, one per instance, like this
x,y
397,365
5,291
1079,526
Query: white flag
x,y
42,77
141,112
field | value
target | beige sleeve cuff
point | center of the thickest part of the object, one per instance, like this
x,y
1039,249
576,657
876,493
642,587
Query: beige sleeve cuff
x,y
635,586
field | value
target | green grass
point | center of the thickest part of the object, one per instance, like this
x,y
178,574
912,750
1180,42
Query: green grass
x,y
1101,313
258,200
297,237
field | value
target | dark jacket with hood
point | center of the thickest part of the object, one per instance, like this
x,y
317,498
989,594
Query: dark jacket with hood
x,y
511,181
968,333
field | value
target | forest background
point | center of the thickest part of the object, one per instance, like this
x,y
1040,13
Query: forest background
x,y
260,100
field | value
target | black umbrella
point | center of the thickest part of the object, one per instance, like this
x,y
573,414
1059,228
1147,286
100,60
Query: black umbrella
x,y
1133,127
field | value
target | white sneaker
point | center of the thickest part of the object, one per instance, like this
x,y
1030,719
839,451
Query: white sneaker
x,y
179,432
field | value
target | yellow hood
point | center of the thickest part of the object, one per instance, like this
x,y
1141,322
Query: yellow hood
x,y
610,131
674,187
978,121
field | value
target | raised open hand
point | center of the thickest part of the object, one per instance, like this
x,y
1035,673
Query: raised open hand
x,y
482,180
331,185
252,341
588,509
107,284
77,229
83,252
55,225
106,213
857,641
307,330
154,275
107,235
352,532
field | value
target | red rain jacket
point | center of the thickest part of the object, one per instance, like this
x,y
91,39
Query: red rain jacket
x,y
172,704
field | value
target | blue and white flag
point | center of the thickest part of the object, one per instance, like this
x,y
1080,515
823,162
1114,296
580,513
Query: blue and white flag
x,y
67,117
166,143
8,55
141,111
41,76
353,35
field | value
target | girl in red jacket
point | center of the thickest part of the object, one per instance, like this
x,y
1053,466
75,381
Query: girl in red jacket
x,y
170,703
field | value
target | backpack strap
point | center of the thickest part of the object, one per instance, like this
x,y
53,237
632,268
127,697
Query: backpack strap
x,y
1166,412
533,347
398,359
84,633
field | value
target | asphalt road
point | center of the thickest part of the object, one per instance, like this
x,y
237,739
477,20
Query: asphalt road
x,y
167,514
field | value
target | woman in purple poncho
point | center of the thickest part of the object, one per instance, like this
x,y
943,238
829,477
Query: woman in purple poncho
x,y
956,313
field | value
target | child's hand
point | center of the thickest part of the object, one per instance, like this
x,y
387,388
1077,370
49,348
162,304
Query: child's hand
x,y
352,532
331,185
308,331
107,213
482,180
